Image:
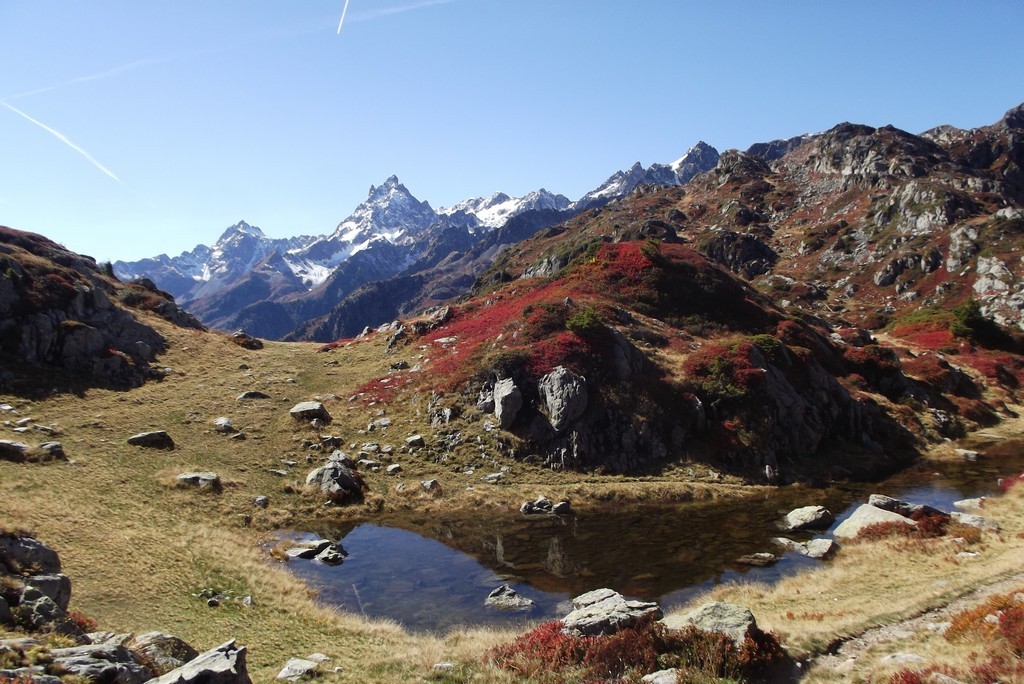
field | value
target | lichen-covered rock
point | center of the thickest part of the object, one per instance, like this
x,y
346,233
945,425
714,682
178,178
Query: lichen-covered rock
x,y
310,410
865,515
102,663
507,598
564,395
161,652
340,483
604,611
734,621
808,518
508,399
224,664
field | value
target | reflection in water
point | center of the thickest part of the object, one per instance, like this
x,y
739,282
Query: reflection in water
x,y
435,572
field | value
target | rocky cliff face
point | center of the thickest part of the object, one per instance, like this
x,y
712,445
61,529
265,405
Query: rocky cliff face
x,y
61,311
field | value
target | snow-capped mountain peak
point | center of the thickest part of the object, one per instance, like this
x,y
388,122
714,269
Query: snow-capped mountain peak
x,y
494,211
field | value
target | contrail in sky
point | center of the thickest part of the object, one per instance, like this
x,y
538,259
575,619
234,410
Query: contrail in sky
x,y
91,77
342,20
60,136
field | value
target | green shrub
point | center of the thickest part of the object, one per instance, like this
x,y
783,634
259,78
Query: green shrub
x,y
584,322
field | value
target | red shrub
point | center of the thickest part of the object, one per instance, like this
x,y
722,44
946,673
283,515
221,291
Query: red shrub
x,y
1008,483
79,619
1011,627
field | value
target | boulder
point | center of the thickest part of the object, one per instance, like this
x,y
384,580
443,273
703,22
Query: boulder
x,y
758,560
340,483
865,515
974,521
246,341
332,555
298,668
161,652
252,395
604,611
223,424
158,439
53,450
815,548
507,402
261,501
809,518
888,503
202,480
507,598
27,555
57,587
12,451
734,621
310,410
431,485
393,469
415,441
111,663
222,665
662,677
564,395
970,504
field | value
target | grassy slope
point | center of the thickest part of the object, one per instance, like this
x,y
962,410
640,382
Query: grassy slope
x,y
137,549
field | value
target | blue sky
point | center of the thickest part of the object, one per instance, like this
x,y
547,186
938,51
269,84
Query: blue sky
x,y
133,128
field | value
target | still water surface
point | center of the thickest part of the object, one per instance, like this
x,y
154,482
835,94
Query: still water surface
x,y
433,572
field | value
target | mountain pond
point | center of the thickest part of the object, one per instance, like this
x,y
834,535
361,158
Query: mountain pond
x,y
432,571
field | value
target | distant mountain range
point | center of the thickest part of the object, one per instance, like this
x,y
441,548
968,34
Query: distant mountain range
x,y
308,287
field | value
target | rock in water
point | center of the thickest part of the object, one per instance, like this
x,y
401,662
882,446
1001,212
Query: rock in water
x,y
604,611
310,410
158,439
222,665
507,598
808,518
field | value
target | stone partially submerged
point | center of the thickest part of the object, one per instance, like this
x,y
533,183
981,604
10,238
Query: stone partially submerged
x,y
604,611
866,515
507,598
809,518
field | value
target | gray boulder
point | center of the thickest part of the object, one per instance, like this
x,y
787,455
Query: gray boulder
x,y
202,480
57,587
809,518
27,555
734,621
662,677
507,598
53,451
12,451
161,652
310,410
866,515
888,503
604,611
507,402
974,521
222,665
298,668
815,548
223,424
158,439
338,482
564,395
102,663
252,395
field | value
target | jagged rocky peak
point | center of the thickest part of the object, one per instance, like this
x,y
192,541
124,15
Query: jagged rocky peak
x,y
493,211
1014,118
390,211
697,159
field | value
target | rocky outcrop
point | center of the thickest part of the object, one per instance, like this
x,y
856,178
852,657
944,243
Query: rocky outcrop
x,y
310,410
564,395
736,622
161,652
224,664
111,663
604,611
507,402
340,483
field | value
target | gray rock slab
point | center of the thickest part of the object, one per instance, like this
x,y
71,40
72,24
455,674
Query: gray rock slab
x,y
102,663
56,586
224,664
507,598
298,668
310,410
28,555
202,480
730,619
866,515
974,521
508,399
809,518
604,611
13,451
157,439
161,652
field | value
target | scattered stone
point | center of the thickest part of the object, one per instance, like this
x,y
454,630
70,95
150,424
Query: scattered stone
x,y
158,439
415,441
969,454
865,515
728,618
444,667
13,451
974,521
562,508
223,424
492,478
758,560
969,504
245,340
202,480
339,482
507,598
662,677
53,450
161,652
543,506
393,469
902,659
252,395
332,555
430,485
809,518
298,668
102,663
815,548
310,410
224,664
507,402
604,611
